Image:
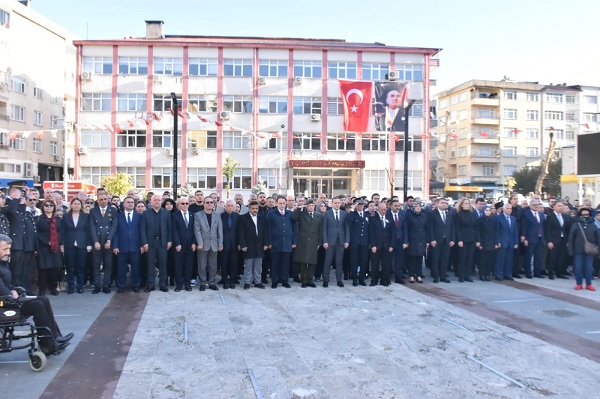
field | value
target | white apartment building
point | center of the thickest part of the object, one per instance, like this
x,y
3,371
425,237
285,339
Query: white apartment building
x,y
37,93
236,93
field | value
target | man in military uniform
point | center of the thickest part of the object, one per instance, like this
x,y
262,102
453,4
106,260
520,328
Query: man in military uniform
x,y
103,229
24,236
358,222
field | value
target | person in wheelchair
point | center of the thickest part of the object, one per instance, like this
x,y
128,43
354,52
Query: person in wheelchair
x,y
50,338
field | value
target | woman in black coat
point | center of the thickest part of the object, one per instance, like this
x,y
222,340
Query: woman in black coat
x,y
49,256
415,241
583,229
487,242
465,224
75,242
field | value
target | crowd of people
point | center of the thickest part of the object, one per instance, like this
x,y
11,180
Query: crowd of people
x,y
159,241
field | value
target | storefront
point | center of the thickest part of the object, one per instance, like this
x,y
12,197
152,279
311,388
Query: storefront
x,y
330,177
74,187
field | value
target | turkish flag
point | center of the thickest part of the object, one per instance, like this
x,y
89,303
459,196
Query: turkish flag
x,y
356,96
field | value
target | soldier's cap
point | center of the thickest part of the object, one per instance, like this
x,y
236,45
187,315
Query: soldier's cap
x,y
359,201
309,201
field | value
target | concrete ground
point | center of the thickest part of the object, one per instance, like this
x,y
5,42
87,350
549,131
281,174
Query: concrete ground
x,y
528,339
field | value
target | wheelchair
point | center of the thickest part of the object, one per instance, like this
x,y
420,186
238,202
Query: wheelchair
x,y
16,332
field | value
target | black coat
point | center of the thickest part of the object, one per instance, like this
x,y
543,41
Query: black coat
x,y
230,239
576,239
380,237
438,230
465,224
487,232
310,236
46,258
22,226
552,227
415,233
247,237
69,234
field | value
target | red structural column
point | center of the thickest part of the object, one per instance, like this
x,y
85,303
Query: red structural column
x,y
220,128
76,156
149,103
184,108
359,76
113,108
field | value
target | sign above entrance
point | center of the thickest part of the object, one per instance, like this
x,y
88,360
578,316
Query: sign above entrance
x,y
302,163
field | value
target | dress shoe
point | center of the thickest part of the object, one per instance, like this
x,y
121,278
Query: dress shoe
x,y
564,277
213,287
436,280
578,287
362,283
445,280
164,289
264,280
70,291
149,289
54,292
232,286
590,287
303,285
411,280
274,285
509,278
346,277
517,275
340,284
221,281
137,289
178,288
312,285
325,284
373,283
544,272
259,285
58,348
385,283
96,291
286,285
498,278
355,283
41,293
400,281
236,281
538,275
120,290
551,277
188,287
529,277
469,279
106,290
568,274
64,338
461,280
225,285
419,280
202,287
247,286
297,280
80,290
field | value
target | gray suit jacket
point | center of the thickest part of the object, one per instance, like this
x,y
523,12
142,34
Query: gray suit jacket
x,y
210,237
333,230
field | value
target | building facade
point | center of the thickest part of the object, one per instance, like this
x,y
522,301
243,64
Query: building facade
x,y
490,129
37,92
271,104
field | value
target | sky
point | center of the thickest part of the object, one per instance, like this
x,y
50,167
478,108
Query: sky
x,y
545,41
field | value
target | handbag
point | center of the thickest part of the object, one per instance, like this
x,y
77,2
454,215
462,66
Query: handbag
x,y
589,248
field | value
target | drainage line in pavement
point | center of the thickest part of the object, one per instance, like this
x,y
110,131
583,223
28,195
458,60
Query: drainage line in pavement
x,y
185,331
496,372
450,321
222,299
255,384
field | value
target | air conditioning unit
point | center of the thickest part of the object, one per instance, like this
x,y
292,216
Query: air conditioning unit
x,y
195,151
87,76
36,179
169,152
225,115
315,117
27,169
56,157
157,78
298,80
393,75
83,150
262,81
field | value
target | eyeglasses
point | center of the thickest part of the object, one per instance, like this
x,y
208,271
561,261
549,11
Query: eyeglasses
x,y
184,203
48,206
30,199
208,202
89,202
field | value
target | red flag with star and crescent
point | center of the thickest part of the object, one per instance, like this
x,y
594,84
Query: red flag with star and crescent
x,y
356,97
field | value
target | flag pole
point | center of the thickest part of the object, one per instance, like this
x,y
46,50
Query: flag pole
x,y
406,111
175,107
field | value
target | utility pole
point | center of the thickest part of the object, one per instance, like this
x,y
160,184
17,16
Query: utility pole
x,y
406,111
175,106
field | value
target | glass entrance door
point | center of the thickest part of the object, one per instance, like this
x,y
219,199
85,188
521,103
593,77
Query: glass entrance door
x,y
332,182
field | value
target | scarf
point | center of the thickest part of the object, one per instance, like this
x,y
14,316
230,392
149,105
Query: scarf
x,y
53,234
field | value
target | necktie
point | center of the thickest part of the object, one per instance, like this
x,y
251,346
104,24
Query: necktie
x,y
444,217
185,218
360,214
229,222
128,217
396,222
383,222
560,220
102,211
537,217
311,215
282,213
336,216
508,220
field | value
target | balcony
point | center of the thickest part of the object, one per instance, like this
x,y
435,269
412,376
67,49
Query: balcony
x,y
477,139
486,120
485,158
485,178
486,102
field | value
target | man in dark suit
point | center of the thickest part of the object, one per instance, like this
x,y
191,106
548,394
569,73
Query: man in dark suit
x,y
252,239
397,217
310,232
184,242
441,239
381,235
229,255
532,235
336,238
557,227
24,239
156,240
127,246
508,243
519,255
358,225
282,238
103,228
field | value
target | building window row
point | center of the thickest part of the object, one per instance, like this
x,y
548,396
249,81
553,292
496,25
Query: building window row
x,y
4,18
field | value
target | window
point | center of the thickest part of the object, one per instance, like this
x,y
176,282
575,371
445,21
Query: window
x,y
464,96
452,152
559,134
375,71
510,132
509,113
306,141
375,142
131,102
554,98
53,121
17,84
486,151
163,139
510,95
570,100
462,115
237,141
272,105
487,113
37,145
341,70
335,106
93,174
96,102
417,109
133,65
462,133
411,72
271,178
17,143
533,115
4,18
161,177
554,115
162,102
376,180
95,138
273,143
237,67
462,151
53,100
570,117
308,69
17,113
508,170
38,118
37,92
570,135
98,65
443,104
415,179
414,145
533,152
307,105
453,100
509,151
488,170
273,68
201,103
590,99
485,132
203,67
168,66
488,94
341,142
138,174
533,134
131,139
242,179
462,170
238,104
535,97
54,148
587,117
202,139
202,178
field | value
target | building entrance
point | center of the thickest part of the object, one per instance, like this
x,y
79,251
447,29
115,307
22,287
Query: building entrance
x,y
332,182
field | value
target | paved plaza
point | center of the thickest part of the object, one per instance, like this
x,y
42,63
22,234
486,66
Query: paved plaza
x,y
538,339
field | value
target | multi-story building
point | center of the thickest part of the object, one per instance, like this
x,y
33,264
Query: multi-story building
x,y
271,104
490,129
37,84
